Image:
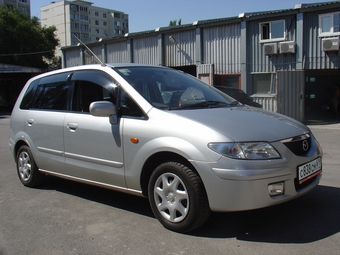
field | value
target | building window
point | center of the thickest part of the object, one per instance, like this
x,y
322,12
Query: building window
x,y
104,23
231,81
23,1
96,22
96,14
97,31
272,31
117,23
84,17
74,7
74,25
264,83
84,27
329,24
24,10
117,32
83,9
104,15
74,16
86,36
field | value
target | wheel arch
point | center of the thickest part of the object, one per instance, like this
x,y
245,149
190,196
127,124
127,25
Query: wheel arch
x,y
155,160
17,146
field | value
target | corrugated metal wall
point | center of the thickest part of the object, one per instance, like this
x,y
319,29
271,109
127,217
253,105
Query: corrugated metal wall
x,y
315,57
117,52
89,58
180,50
145,50
221,46
268,102
290,92
72,57
257,60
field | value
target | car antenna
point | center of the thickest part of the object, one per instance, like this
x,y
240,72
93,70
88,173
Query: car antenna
x,y
92,53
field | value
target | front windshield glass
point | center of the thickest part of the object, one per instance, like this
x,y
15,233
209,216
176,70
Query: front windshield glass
x,y
170,89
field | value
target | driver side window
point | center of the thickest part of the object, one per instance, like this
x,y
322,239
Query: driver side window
x,y
84,94
90,86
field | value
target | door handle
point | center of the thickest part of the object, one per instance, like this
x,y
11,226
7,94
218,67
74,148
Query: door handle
x,y
72,126
30,122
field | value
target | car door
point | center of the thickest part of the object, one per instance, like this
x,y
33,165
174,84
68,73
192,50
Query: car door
x,y
93,147
46,102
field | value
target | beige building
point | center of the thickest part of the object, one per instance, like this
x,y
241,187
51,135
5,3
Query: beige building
x,y
87,22
24,6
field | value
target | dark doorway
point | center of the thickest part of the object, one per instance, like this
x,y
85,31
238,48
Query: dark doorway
x,y
10,88
187,69
319,89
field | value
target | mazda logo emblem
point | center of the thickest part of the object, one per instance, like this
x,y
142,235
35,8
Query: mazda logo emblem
x,y
305,145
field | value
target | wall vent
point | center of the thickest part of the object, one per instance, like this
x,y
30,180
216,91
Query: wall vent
x,y
287,47
270,48
330,44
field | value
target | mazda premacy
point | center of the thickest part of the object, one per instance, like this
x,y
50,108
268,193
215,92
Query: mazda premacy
x,y
160,133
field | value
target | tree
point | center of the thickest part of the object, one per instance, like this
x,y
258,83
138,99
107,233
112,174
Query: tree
x,y
23,41
175,23
54,63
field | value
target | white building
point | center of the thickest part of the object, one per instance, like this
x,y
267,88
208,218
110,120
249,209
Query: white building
x,y
87,22
24,6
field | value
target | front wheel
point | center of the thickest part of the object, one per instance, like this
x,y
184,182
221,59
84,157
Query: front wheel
x,y
27,169
177,197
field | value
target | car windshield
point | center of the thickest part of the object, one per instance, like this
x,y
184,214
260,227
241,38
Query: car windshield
x,y
170,89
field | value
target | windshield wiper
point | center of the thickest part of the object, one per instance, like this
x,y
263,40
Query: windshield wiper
x,y
204,104
233,103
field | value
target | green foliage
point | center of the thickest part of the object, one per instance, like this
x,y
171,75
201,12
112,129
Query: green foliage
x,y
54,64
175,23
23,41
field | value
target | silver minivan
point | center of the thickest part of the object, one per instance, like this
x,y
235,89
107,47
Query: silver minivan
x,y
162,134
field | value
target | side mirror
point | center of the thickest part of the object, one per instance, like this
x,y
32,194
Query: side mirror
x,y
104,109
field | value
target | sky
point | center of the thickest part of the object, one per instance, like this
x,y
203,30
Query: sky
x,y
150,14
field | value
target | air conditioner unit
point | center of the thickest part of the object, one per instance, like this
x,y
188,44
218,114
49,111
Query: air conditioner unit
x,y
330,44
270,48
287,47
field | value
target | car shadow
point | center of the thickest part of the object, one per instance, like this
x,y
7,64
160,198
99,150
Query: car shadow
x,y
306,219
128,202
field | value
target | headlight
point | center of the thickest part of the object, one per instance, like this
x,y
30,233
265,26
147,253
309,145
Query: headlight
x,y
249,150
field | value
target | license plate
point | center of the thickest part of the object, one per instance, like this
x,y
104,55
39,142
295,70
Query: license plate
x,y
309,170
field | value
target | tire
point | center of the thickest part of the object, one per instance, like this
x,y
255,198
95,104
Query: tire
x,y
177,197
27,169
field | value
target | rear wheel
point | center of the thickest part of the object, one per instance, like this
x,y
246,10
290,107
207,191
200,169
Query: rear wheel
x,y
27,169
177,197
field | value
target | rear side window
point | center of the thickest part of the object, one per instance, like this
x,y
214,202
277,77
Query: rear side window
x,y
47,93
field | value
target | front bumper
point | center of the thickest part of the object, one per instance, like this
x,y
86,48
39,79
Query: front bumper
x,y
243,185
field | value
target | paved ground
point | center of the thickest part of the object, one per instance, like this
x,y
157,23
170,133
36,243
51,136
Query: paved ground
x,y
63,217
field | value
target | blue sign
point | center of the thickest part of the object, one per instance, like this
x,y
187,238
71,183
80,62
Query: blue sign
x,y
10,69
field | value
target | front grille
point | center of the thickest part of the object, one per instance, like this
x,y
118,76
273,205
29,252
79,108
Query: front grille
x,y
299,145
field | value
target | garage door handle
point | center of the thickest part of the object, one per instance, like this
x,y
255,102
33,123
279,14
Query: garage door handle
x,y
72,126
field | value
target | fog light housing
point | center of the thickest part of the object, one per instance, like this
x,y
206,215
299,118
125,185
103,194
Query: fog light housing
x,y
276,189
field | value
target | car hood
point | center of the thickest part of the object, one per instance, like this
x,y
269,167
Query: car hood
x,y
244,123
